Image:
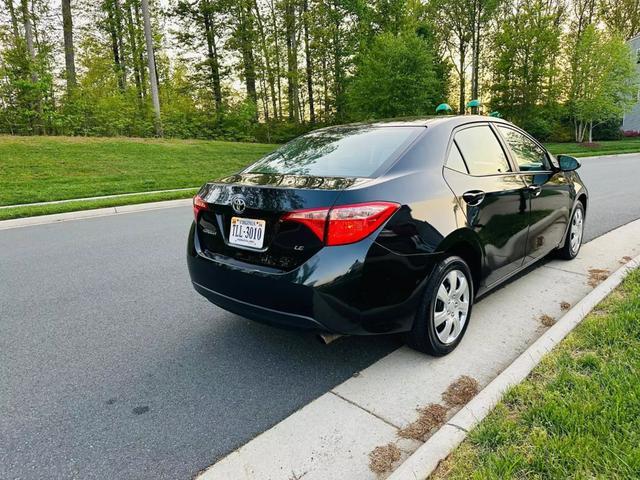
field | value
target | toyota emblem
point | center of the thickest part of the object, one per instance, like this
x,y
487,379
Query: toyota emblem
x,y
238,203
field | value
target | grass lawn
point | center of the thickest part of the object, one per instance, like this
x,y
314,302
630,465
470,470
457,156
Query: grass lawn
x,y
609,147
577,415
37,169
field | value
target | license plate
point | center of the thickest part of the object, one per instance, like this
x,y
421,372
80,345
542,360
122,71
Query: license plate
x,y
247,232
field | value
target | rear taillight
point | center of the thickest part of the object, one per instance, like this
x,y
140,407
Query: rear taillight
x,y
198,205
315,219
346,223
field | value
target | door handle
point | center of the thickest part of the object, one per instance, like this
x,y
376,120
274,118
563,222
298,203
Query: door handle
x,y
535,190
473,197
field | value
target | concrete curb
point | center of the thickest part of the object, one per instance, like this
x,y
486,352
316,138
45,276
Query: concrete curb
x,y
101,197
98,212
426,458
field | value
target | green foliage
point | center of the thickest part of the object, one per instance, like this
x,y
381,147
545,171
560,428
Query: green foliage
x,y
395,76
603,81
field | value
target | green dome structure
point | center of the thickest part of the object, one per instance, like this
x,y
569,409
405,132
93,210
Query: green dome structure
x,y
474,103
495,114
444,107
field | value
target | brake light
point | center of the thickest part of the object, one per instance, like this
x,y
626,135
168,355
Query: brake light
x,y
346,223
314,218
198,205
352,223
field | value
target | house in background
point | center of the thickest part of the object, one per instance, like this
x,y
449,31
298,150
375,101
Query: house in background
x,y
631,120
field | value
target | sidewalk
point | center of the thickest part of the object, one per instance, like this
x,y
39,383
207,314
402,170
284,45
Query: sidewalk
x,y
335,435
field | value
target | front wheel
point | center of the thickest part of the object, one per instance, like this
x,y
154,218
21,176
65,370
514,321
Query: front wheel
x,y
443,316
573,240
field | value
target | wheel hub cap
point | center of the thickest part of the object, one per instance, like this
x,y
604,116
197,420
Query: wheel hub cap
x,y
451,306
575,236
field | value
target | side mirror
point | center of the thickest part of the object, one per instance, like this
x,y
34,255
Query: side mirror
x,y
568,163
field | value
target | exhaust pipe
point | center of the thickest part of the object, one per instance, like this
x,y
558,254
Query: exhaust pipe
x,y
327,338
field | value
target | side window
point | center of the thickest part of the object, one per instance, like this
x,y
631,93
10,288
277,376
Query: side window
x,y
481,151
455,160
527,154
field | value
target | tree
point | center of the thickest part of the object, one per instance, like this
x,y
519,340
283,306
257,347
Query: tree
x,y
525,66
69,56
456,31
395,76
153,79
603,83
622,16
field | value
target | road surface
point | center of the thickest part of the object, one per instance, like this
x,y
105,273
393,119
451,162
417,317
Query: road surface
x,y
111,366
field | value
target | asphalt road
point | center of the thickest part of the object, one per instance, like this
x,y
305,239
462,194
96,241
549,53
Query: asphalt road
x,y
112,367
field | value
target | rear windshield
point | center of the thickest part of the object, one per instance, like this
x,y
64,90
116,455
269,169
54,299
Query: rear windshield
x,y
352,151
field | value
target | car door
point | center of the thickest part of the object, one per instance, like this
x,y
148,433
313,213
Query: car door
x,y
549,192
493,196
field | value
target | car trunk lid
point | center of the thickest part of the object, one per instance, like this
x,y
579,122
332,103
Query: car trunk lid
x,y
260,200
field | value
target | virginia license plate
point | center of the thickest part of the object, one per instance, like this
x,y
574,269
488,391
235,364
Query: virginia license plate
x,y
247,232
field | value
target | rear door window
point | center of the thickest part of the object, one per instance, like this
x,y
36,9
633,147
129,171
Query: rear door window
x,y
351,151
455,160
482,151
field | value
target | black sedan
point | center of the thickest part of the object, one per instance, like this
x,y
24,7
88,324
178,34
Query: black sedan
x,y
384,227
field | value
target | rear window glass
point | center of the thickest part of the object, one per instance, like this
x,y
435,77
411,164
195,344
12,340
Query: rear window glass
x,y
357,151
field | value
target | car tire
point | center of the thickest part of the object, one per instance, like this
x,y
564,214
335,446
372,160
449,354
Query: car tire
x,y
435,329
573,238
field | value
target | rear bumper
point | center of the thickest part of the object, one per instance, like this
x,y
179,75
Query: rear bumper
x,y
356,289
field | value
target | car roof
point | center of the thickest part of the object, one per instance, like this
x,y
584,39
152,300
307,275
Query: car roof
x,y
427,121
452,120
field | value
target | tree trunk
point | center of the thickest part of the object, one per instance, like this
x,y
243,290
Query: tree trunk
x,y
292,60
337,64
140,41
307,54
246,48
277,54
115,49
463,80
153,79
118,29
137,66
14,19
28,35
265,52
69,55
591,131
212,54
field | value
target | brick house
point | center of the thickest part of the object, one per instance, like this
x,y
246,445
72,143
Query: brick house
x,y
631,120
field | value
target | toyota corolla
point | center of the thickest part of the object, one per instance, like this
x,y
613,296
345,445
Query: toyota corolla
x,y
384,227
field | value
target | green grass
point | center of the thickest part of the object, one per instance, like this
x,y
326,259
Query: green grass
x,y
38,169
577,416
609,147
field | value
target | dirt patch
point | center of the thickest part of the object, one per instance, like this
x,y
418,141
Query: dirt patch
x,y
547,320
381,459
597,276
460,391
625,259
430,417
565,306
